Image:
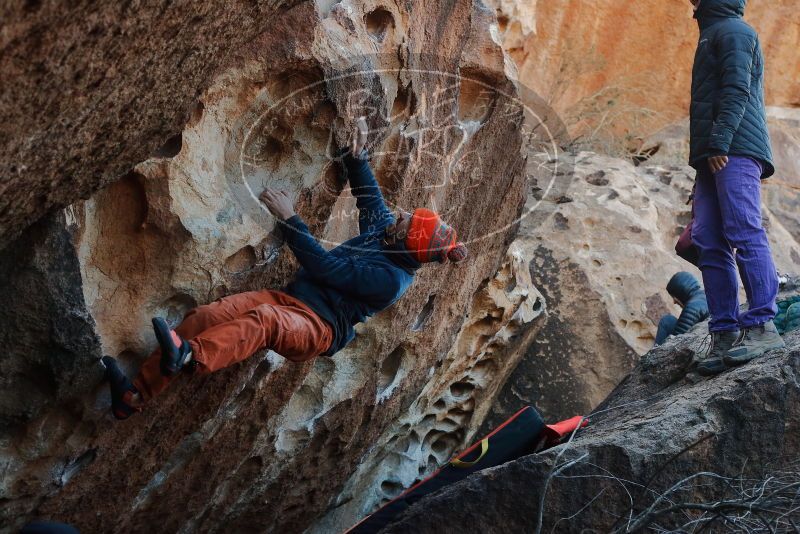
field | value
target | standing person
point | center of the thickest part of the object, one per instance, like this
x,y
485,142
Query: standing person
x,y
314,315
730,149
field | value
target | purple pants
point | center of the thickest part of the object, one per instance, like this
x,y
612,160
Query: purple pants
x,y
728,231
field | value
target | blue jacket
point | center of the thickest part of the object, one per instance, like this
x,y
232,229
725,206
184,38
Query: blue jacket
x,y
685,287
358,278
728,116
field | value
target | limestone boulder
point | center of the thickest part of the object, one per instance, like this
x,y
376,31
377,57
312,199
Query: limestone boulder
x,y
602,249
90,90
139,136
661,452
267,445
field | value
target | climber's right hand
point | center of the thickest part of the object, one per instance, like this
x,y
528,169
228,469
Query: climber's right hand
x,y
359,138
278,203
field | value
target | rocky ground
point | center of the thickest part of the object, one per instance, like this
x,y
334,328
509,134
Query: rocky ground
x,y
659,443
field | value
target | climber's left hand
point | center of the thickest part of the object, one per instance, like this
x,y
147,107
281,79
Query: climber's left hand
x,y
278,203
717,163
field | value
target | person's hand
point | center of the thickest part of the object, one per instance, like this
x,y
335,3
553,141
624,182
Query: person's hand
x,y
359,139
278,203
717,163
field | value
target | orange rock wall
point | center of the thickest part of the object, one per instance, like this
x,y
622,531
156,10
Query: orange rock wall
x,y
637,55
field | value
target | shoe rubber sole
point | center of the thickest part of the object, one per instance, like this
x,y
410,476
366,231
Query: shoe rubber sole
x,y
735,361
711,367
121,389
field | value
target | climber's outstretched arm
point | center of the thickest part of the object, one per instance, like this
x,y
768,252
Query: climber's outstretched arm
x,y
344,273
335,271
372,211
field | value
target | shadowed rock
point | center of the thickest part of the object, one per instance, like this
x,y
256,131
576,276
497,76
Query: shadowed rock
x,y
265,445
656,429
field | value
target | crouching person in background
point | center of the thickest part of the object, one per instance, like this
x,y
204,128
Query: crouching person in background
x,y
685,290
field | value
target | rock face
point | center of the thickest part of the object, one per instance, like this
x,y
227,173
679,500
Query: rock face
x,y
626,66
266,445
89,91
782,192
49,335
602,252
185,120
653,431
505,316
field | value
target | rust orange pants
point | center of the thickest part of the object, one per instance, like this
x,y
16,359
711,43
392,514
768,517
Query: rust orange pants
x,y
233,328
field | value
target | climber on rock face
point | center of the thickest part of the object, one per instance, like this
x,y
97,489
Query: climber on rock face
x,y
730,149
687,293
314,315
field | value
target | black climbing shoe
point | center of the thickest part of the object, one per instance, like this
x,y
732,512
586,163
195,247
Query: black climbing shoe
x,y
175,352
752,343
709,360
124,396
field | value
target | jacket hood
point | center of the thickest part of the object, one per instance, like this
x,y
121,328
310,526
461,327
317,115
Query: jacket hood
x,y
719,9
683,286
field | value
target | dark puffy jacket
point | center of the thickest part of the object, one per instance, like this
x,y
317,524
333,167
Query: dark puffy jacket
x,y
685,287
728,116
358,278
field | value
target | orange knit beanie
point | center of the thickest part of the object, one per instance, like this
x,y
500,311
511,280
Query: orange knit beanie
x,y
430,239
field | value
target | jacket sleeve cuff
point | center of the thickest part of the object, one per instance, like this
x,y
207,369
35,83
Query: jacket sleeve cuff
x,y
720,143
349,160
292,226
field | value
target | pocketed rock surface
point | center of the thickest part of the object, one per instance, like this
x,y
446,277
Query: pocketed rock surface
x,y
656,429
601,246
134,139
265,445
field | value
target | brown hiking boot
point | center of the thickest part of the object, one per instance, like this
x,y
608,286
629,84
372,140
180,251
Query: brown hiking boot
x,y
709,359
752,343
